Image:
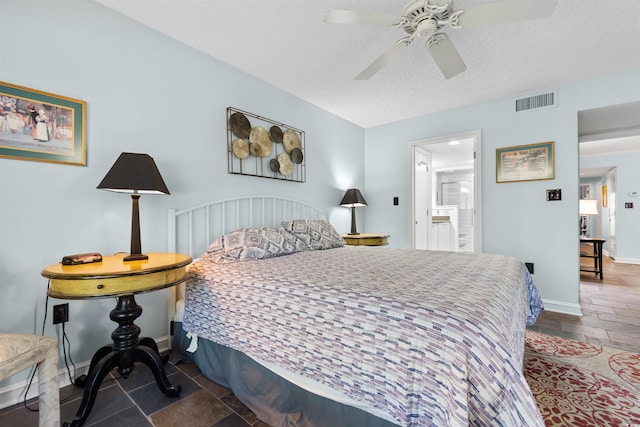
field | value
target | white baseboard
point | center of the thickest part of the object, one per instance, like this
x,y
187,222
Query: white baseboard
x,y
622,260
562,307
626,260
14,393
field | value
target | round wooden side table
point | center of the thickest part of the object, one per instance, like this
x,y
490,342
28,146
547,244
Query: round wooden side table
x,y
114,277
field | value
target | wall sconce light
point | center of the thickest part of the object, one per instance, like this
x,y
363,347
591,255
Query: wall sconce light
x,y
353,199
134,174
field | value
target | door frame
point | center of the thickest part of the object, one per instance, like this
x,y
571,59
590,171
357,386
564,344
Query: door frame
x,y
476,135
422,158
612,183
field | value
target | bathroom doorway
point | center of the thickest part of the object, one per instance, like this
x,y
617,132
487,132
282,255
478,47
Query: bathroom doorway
x,y
446,213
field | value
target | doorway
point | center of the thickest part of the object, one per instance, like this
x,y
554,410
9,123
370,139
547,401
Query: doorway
x,y
611,221
446,193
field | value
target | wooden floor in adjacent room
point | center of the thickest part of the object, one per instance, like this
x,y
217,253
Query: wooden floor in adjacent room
x,y
610,309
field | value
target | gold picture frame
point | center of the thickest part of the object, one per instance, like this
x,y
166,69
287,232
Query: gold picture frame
x,y
530,162
41,126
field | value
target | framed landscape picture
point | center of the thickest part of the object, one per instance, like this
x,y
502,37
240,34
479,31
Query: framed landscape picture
x,y
525,163
41,126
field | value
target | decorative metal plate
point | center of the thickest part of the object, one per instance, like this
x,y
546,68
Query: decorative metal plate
x,y
278,153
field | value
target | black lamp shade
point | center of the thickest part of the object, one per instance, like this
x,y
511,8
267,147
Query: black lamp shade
x,y
353,198
134,173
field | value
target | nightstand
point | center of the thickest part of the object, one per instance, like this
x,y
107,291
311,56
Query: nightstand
x,y
365,239
114,277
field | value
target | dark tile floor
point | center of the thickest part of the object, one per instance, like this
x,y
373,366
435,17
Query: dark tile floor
x,y
611,317
137,402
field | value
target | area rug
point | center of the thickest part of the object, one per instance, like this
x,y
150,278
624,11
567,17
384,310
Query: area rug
x,y
580,384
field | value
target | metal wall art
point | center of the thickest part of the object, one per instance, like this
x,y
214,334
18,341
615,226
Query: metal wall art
x,y
262,147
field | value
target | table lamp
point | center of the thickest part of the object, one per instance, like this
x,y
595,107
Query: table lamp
x,y
353,199
134,174
587,207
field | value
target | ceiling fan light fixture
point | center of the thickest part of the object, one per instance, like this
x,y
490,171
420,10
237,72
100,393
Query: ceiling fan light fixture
x,y
421,15
426,28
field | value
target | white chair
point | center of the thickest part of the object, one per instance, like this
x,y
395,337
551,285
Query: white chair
x,y
19,352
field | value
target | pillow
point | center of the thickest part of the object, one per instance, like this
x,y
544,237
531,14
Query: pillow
x,y
254,243
316,233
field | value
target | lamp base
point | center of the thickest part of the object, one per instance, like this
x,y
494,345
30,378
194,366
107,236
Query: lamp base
x,y
135,257
352,234
583,227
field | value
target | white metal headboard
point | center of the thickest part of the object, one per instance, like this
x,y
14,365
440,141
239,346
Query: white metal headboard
x,y
192,230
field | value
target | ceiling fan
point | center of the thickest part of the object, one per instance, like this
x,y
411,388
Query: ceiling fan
x,y
427,18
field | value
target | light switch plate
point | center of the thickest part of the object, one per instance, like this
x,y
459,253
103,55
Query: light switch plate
x,y
553,195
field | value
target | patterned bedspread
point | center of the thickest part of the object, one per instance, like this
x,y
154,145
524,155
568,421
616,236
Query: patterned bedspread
x,y
431,338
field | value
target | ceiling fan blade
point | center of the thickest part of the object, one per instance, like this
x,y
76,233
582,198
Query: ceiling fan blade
x,y
387,56
505,11
342,16
445,56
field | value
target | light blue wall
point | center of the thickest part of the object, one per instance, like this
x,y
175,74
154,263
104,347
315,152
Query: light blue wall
x,y
145,93
627,181
517,219
148,93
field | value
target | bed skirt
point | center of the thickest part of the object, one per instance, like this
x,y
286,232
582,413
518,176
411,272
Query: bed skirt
x,y
272,399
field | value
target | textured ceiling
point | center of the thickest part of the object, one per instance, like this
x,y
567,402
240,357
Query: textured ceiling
x,y
287,44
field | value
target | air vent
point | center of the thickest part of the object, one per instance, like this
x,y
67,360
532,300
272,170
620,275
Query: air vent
x,y
544,100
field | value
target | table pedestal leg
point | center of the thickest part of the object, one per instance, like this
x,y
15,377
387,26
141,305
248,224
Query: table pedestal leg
x,y
125,351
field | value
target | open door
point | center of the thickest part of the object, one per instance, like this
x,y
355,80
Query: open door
x,y
422,196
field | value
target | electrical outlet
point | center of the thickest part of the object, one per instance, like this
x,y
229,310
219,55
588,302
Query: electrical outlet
x,y
60,313
395,201
554,195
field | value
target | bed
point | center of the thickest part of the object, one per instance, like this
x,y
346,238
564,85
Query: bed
x,y
309,332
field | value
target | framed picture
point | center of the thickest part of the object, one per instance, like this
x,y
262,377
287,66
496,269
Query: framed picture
x,y
605,197
41,126
525,163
